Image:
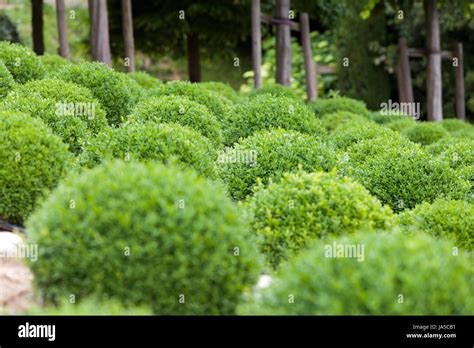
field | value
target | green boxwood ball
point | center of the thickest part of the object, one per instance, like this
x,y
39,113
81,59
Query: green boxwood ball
x,y
33,160
401,125
388,274
329,106
222,89
152,141
425,133
116,93
6,80
384,118
70,110
144,79
266,111
180,110
350,133
272,154
144,235
21,62
443,218
52,63
302,207
342,118
401,174
453,125
275,89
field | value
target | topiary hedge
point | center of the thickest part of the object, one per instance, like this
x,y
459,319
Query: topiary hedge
x,y
223,89
385,118
275,152
329,106
302,207
21,62
386,274
116,93
276,90
32,162
151,141
400,173
52,63
401,124
160,236
217,104
180,110
144,79
70,110
453,125
265,112
425,133
341,118
443,218
459,154
351,133
6,80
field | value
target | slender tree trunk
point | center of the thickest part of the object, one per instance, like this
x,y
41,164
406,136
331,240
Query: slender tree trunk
x,y
256,44
37,26
434,94
100,31
129,44
283,44
194,58
62,29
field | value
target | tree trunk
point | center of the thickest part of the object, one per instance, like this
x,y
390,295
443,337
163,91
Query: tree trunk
x,y
194,58
256,44
100,31
309,63
37,26
433,82
62,29
128,42
283,44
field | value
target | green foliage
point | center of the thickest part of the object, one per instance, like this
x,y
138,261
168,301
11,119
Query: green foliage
x,y
277,151
264,112
302,207
8,30
443,218
180,230
21,62
217,104
331,105
152,141
223,89
33,160
443,144
70,110
401,124
351,133
459,154
380,118
6,80
144,79
425,133
180,110
52,63
275,89
401,174
341,119
424,270
453,125
116,93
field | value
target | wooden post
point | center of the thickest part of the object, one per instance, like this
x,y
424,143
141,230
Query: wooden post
x,y
460,96
283,44
37,26
256,44
62,29
405,83
127,26
433,83
309,64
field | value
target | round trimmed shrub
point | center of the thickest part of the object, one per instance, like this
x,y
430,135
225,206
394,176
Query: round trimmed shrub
x,y
423,269
277,151
223,89
275,89
453,125
6,80
152,141
443,218
443,144
329,106
114,91
401,125
157,234
70,110
349,134
21,62
401,174
144,79
459,155
180,110
384,118
467,133
33,160
341,118
302,207
52,63
265,112
425,133
217,104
